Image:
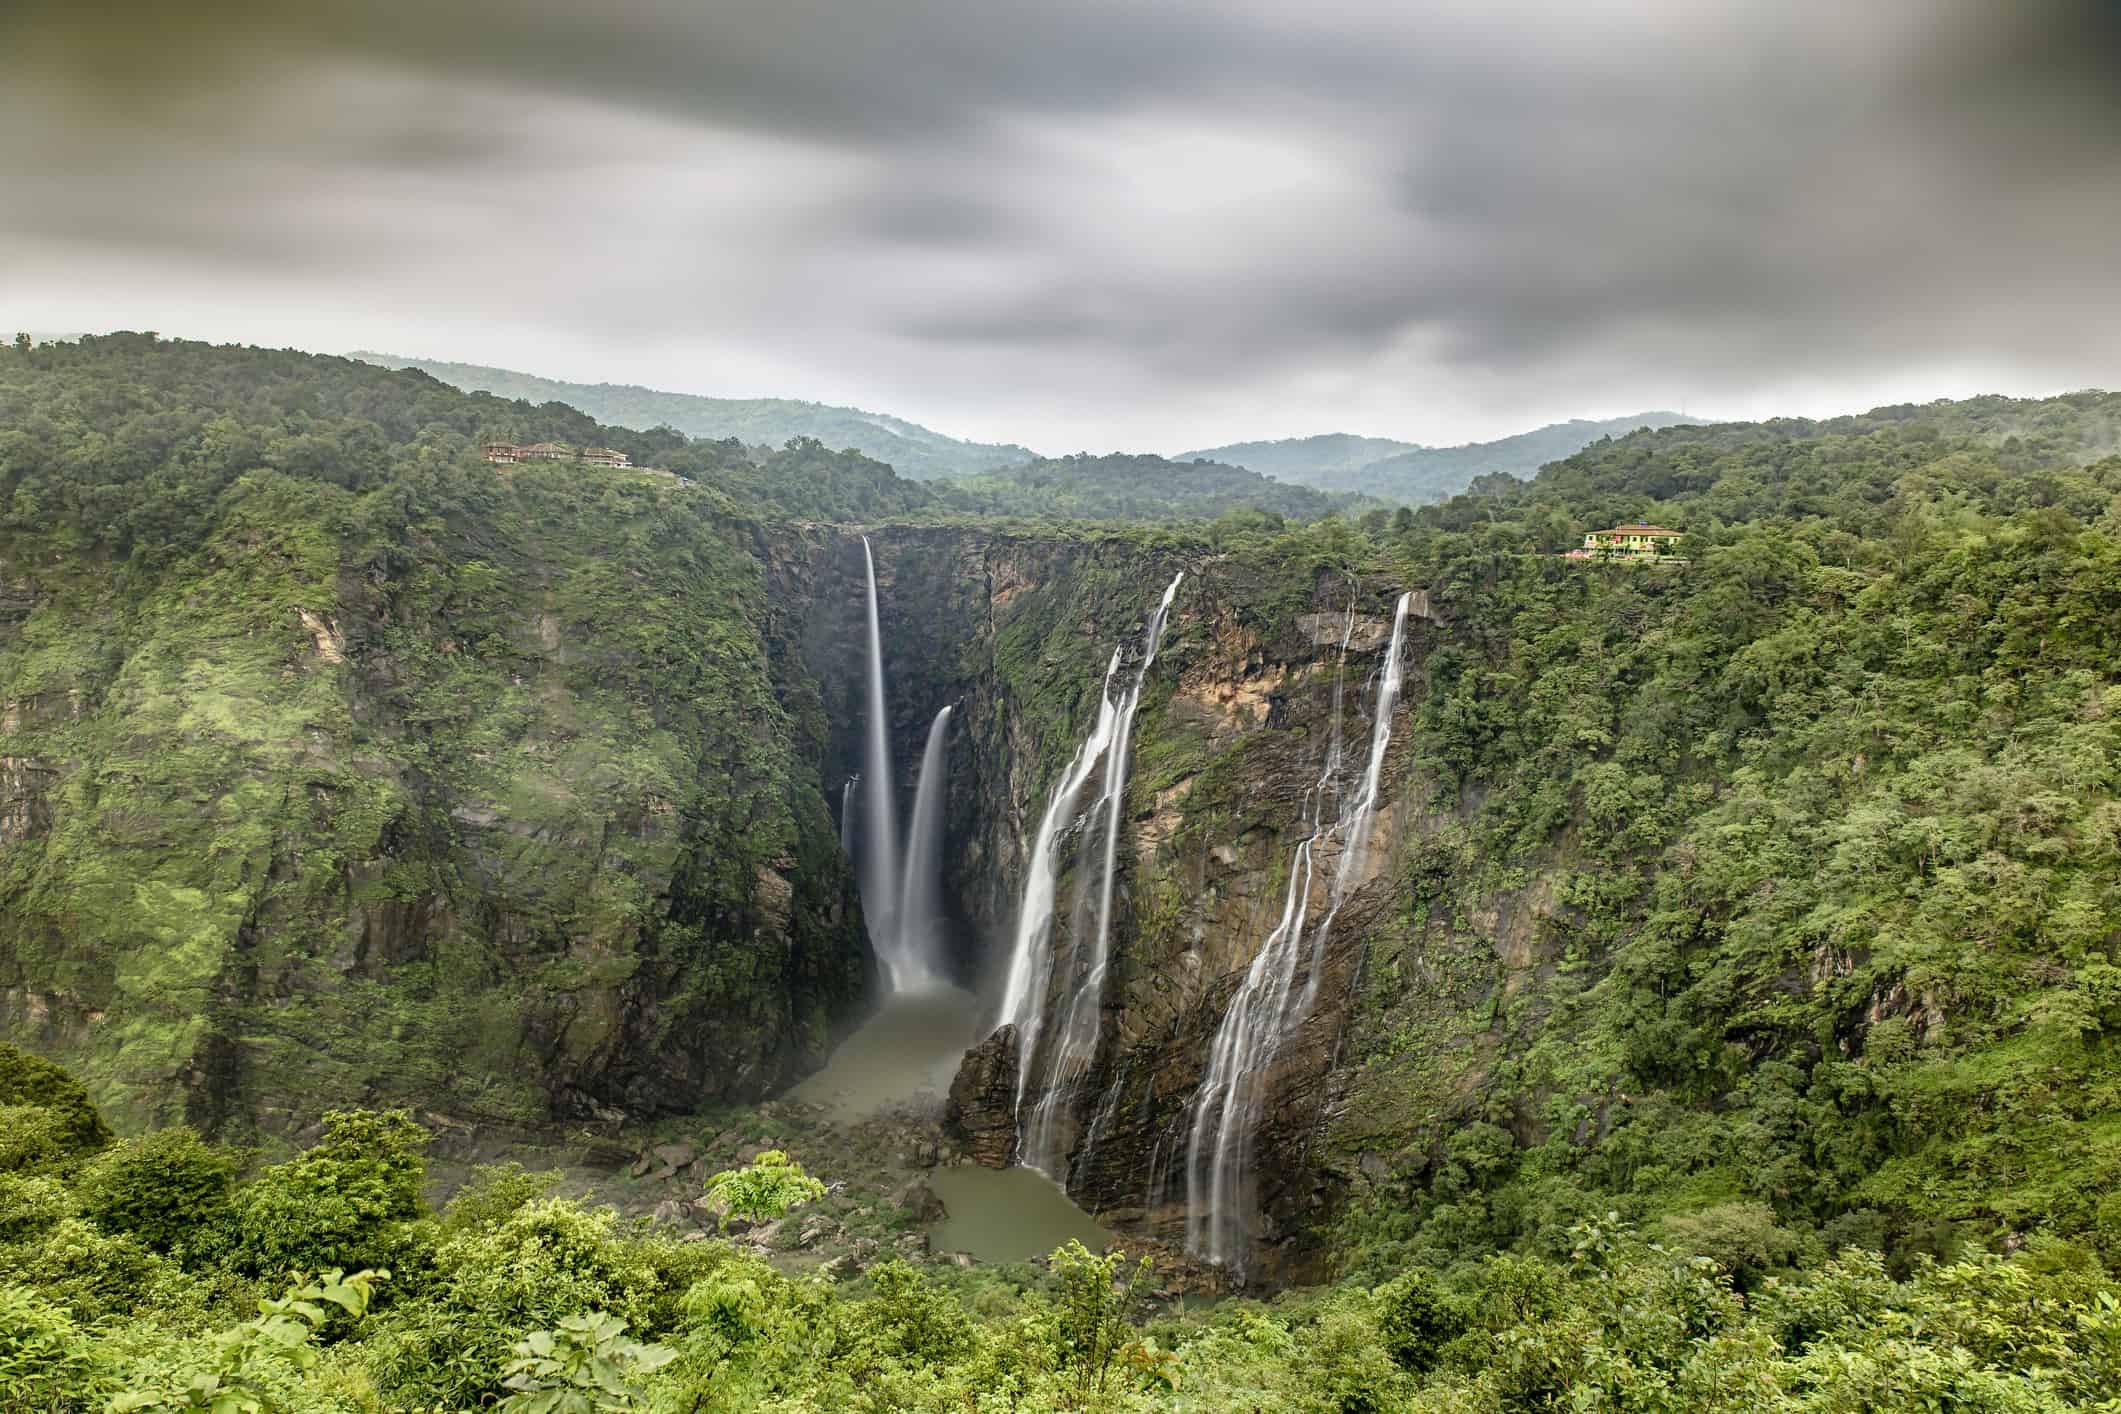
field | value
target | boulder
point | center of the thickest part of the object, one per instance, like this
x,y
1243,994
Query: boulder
x,y
920,1200
981,1113
671,1213
675,1156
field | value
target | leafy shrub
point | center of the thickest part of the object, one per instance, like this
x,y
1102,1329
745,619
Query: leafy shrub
x,y
31,1081
1415,1320
246,1369
92,1272
765,1188
494,1194
333,1205
548,1260
168,1188
1741,1238
583,1367
1093,1311
909,1318
47,1365
33,1140
30,1205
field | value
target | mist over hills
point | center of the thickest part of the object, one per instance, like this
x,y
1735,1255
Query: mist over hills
x,y
1406,471
1383,467
909,448
1305,459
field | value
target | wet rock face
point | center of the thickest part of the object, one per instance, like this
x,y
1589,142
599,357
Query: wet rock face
x,y
981,1114
1231,743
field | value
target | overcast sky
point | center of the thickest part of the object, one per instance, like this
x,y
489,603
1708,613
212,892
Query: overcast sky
x,y
1151,224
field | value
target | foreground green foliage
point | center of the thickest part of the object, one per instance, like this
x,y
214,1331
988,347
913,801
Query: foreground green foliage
x,y
539,1306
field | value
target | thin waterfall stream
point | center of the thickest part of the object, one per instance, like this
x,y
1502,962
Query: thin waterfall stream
x,y
919,913
1269,1007
1055,1053
878,867
900,900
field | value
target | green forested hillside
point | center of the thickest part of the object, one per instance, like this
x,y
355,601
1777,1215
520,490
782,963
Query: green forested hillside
x,y
1428,474
909,448
1788,877
1132,487
340,763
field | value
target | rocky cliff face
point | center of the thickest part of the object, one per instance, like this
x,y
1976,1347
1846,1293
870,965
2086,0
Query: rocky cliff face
x,y
981,1113
1226,750
512,818
1232,731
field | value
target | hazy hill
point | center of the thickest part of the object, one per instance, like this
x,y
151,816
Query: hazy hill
x,y
908,447
1402,471
1305,459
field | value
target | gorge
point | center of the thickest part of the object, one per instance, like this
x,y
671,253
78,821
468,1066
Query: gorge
x,y
360,772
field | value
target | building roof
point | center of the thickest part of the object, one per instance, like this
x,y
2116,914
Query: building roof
x,y
1641,527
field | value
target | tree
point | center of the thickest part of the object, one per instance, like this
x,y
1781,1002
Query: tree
x,y
166,1188
1095,1309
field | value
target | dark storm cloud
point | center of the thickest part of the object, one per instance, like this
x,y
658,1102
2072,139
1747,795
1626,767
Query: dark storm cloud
x,y
1140,209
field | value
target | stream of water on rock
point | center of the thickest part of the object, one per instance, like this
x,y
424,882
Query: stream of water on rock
x,y
1269,1007
1055,1053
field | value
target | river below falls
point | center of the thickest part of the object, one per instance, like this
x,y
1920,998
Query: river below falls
x,y
908,1052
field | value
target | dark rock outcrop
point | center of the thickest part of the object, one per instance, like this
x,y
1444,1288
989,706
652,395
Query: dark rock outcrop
x,y
922,1201
981,1114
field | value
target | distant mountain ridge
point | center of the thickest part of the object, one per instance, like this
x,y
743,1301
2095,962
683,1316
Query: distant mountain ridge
x,y
909,448
1135,486
1304,458
1416,474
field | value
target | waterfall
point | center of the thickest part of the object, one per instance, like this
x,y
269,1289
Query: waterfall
x,y
1263,1014
920,908
1054,1057
847,816
898,902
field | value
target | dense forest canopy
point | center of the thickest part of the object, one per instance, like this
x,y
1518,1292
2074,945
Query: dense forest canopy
x,y
1798,1091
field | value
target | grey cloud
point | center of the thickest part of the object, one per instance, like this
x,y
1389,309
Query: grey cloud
x,y
949,202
